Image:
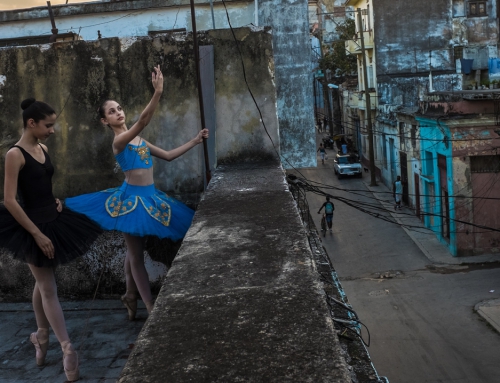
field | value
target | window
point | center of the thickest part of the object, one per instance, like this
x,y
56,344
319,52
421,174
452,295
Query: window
x,y
485,164
402,145
384,151
413,136
477,8
458,52
428,165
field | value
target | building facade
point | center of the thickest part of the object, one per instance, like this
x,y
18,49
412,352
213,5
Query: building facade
x,y
422,53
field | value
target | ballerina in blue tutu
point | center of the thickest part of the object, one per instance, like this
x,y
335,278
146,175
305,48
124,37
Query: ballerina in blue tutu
x,y
137,208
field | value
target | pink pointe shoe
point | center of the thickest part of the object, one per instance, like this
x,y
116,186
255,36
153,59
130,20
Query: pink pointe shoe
x,y
41,346
68,354
131,305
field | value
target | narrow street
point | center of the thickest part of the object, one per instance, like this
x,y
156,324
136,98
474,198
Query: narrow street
x,y
422,323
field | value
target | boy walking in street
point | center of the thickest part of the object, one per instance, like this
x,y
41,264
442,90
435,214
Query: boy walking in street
x,y
322,153
397,193
329,208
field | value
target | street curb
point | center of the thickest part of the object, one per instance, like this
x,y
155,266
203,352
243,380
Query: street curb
x,y
490,311
417,242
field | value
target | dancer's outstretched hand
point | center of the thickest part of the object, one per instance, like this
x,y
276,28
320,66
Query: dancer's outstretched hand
x,y
157,79
201,135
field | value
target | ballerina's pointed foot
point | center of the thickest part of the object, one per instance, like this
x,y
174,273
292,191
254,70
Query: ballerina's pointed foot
x,y
70,362
40,340
131,305
149,306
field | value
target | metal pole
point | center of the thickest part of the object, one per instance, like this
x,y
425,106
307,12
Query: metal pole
x,y
368,108
53,22
212,9
200,92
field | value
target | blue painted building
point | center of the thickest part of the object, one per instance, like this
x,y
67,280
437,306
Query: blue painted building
x,y
436,177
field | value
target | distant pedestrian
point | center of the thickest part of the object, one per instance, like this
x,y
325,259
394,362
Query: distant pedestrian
x,y
329,208
397,192
344,148
322,153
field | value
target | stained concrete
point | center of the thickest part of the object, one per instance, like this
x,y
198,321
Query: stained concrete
x,y
76,77
242,301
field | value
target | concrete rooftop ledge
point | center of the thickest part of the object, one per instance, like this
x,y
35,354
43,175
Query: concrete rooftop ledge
x,y
242,301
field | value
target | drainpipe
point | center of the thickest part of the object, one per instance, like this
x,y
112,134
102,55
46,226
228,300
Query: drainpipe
x,y
256,21
54,30
212,9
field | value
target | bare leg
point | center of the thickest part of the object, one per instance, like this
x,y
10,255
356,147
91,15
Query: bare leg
x,y
132,291
135,260
41,318
52,312
51,308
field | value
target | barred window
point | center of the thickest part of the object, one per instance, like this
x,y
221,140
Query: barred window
x,y
477,8
485,164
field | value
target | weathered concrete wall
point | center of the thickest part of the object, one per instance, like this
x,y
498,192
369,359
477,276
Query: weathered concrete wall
x,y
406,31
243,301
75,77
136,18
292,55
476,192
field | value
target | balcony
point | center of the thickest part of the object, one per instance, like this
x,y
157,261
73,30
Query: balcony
x,y
362,102
354,46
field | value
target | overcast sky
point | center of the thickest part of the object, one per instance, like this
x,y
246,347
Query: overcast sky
x,y
20,4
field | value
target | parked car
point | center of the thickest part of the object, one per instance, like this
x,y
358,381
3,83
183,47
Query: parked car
x,y
327,142
347,165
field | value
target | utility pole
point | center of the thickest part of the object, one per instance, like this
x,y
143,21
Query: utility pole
x,y
368,108
208,173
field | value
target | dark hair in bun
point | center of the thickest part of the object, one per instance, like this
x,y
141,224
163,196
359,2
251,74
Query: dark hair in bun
x,y
36,110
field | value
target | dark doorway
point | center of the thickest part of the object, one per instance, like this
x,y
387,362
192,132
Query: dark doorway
x,y
417,197
445,207
404,175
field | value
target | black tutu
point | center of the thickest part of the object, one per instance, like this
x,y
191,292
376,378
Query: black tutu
x,y
71,234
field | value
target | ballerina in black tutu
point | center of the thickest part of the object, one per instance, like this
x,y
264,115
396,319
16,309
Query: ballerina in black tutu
x,y
39,231
137,208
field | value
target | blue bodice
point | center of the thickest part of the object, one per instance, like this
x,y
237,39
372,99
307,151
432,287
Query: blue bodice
x,y
134,157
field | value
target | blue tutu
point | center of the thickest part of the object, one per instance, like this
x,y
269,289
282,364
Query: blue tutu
x,y
135,210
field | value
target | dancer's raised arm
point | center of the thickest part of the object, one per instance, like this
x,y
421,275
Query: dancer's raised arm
x,y
113,115
170,155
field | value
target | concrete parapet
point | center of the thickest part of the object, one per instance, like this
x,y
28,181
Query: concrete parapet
x,y
242,301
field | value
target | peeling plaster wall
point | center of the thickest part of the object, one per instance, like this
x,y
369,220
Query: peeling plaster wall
x,y
75,77
292,55
406,31
478,139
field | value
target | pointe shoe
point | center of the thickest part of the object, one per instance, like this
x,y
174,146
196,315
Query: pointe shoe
x,y
68,352
41,347
131,305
